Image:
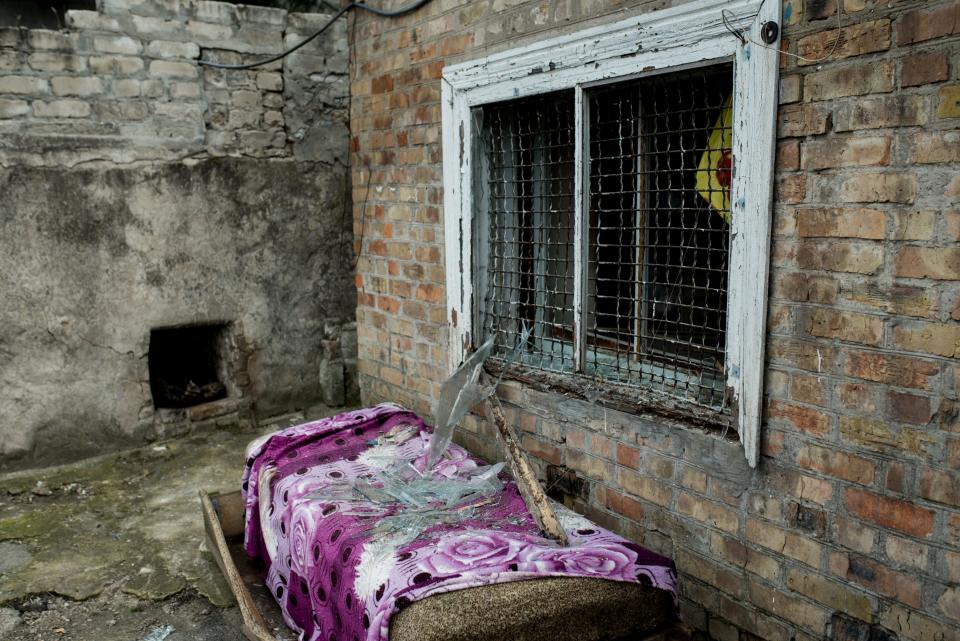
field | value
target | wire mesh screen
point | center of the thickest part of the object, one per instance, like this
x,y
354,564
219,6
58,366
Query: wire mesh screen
x,y
656,221
657,269
528,167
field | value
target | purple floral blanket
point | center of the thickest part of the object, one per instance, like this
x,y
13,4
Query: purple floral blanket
x,y
349,542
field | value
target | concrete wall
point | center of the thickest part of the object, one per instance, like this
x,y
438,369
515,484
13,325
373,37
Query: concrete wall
x,y
139,190
849,528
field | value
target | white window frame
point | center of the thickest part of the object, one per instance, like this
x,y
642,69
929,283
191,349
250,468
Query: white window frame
x,y
691,34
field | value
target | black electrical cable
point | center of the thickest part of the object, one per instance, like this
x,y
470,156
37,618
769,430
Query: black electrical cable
x,y
353,5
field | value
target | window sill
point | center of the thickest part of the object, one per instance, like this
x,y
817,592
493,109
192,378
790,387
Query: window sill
x,y
630,400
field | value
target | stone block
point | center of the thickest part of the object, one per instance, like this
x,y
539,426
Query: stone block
x,y
116,65
91,21
76,86
245,99
50,40
270,81
168,69
224,13
25,85
126,88
117,44
242,118
13,108
11,37
167,49
186,90
56,62
265,15
61,109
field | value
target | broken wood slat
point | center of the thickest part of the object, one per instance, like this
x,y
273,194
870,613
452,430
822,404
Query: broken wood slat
x,y
527,483
254,627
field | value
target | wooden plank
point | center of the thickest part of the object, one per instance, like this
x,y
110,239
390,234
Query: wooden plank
x,y
581,227
254,627
527,483
754,155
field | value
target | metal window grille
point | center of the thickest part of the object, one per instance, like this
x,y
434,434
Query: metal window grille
x,y
656,208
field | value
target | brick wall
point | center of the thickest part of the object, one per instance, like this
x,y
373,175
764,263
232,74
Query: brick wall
x,y
849,528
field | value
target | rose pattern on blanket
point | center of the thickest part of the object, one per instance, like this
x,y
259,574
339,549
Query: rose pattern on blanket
x,y
337,578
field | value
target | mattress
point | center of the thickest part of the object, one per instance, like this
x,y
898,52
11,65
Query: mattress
x,y
361,542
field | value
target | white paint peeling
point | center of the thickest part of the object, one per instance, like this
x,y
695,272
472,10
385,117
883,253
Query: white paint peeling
x,y
692,34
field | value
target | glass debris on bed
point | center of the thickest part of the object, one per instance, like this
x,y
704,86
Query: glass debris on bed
x,y
415,498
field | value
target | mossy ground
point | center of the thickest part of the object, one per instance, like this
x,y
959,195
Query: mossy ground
x,y
119,539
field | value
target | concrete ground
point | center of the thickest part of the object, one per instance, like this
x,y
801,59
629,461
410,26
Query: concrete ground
x,y
112,548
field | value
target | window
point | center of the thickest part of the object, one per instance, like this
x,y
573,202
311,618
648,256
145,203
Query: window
x,y
656,248
602,191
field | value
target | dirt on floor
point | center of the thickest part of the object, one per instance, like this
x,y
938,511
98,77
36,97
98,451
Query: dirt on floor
x,y
113,548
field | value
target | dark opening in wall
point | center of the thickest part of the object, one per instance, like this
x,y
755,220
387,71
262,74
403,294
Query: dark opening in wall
x,y
186,365
40,14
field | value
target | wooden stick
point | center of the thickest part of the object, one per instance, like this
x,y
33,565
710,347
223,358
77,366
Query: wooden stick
x,y
527,483
254,627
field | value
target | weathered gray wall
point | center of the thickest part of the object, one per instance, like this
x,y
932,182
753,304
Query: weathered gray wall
x,y
139,190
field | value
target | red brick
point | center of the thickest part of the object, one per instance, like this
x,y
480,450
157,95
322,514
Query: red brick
x,y
895,478
845,326
804,287
646,488
902,300
854,535
941,339
805,419
909,408
855,40
623,504
857,396
786,606
893,369
852,80
841,223
940,263
788,155
923,68
841,256
871,574
628,456
801,486
836,463
895,514
790,188
711,513
948,105
812,390
875,112
834,595
430,293
887,187
544,451
935,147
940,486
921,25
802,120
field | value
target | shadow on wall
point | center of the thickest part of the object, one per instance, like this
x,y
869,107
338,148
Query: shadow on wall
x,y
40,14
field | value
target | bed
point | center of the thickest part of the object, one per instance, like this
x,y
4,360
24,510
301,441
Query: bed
x,y
358,541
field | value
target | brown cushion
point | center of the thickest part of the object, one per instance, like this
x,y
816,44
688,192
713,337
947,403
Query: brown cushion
x,y
549,609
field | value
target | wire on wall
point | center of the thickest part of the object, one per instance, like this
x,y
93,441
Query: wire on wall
x,y
744,39
402,11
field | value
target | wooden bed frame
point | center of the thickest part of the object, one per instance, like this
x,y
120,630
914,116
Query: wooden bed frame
x,y
223,519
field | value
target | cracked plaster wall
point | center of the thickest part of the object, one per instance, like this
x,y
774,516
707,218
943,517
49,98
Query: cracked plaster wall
x,y
141,190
